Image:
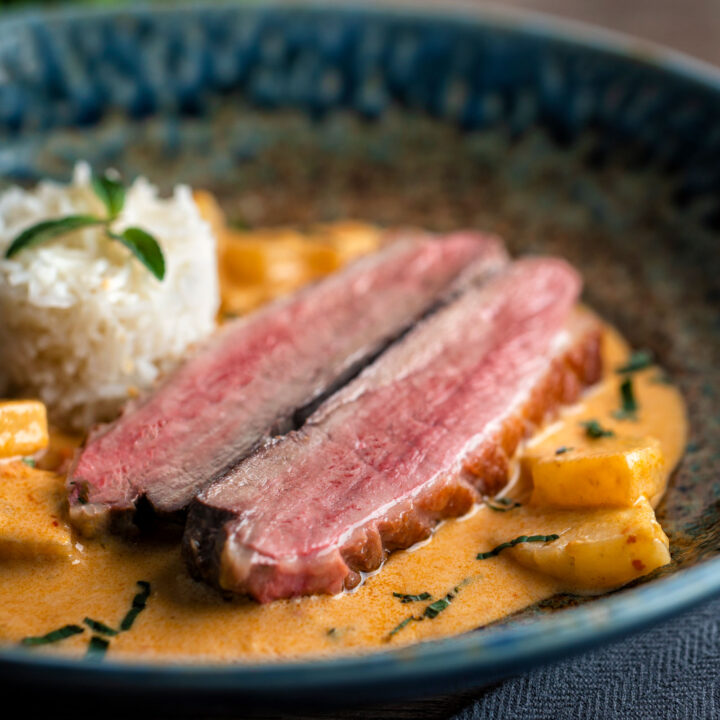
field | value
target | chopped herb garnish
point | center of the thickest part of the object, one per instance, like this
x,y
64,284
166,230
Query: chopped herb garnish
x,y
112,194
512,543
400,626
97,647
29,461
629,405
138,605
432,610
502,504
404,598
638,360
52,637
563,449
331,632
435,608
100,627
593,429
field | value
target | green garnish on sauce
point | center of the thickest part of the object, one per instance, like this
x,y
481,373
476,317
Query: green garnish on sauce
x,y
593,429
54,636
97,647
405,598
100,627
629,405
638,360
30,462
435,608
138,605
512,543
400,626
431,611
112,194
563,449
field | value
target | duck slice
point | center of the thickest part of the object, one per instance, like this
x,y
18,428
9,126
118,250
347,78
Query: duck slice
x,y
254,376
419,435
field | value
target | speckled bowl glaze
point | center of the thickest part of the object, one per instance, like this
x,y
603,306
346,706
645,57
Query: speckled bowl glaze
x,y
563,140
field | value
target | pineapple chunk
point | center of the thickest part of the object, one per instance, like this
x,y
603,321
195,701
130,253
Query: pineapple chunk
x,y
614,471
251,258
597,550
31,521
349,238
23,427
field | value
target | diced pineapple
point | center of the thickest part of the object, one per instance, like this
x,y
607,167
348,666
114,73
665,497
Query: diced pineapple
x,y
350,238
319,259
23,427
612,471
597,550
31,521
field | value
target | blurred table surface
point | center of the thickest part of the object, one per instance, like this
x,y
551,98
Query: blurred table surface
x,y
692,26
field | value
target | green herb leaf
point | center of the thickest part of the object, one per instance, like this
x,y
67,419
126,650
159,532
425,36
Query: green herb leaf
x,y
400,626
512,543
97,647
434,609
593,429
563,449
29,461
404,598
144,247
49,229
629,405
111,193
52,637
100,627
638,360
138,605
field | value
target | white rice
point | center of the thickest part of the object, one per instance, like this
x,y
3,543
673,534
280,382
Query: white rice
x,y
83,324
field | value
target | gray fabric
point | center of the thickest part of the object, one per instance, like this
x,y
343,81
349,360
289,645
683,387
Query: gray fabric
x,y
672,671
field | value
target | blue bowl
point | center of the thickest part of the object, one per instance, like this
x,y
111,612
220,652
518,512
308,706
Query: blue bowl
x,y
561,138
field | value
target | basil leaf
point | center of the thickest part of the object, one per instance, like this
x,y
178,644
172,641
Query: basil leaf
x,y
97,647
638,360
54,636
593,429
512,543
407,598
111,193
629,404
49,229
100,627
145,248
400,626
434,609
138,605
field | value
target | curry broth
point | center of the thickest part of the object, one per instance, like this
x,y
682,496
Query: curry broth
x,y
186,619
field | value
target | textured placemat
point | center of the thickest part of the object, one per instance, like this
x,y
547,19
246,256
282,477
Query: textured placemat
x,y
672,671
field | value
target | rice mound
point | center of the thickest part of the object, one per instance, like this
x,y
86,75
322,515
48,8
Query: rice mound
x,y
83,324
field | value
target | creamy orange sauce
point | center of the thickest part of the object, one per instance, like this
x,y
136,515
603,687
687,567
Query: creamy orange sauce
x,y
185,619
